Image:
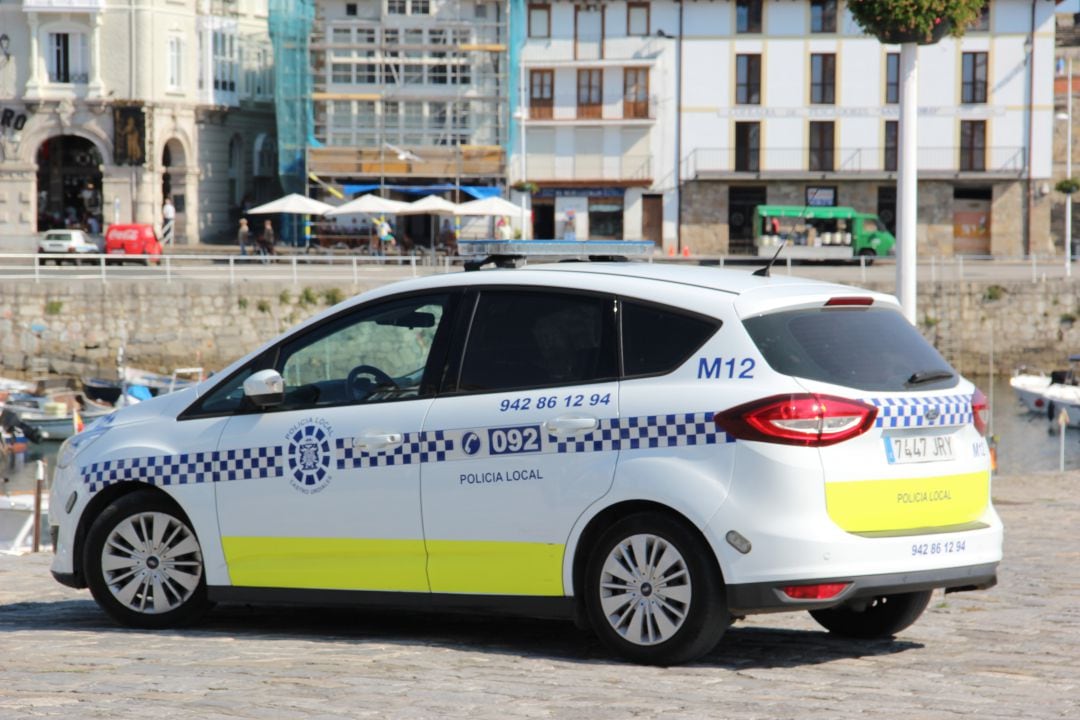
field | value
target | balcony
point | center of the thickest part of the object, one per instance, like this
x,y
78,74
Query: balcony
x,y
433,162
862,163
627,169
58,6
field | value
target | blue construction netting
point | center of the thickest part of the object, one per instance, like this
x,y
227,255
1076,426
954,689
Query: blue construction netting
x,y
517,42
290,30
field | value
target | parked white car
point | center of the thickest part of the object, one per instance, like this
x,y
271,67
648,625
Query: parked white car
x,y
62,246
653,450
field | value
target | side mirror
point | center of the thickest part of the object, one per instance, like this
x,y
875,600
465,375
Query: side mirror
x,y
265,388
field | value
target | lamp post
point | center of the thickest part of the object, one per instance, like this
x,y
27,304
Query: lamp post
x,y
522,115
1068,165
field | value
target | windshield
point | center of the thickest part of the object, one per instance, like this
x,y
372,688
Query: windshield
x,y
863,348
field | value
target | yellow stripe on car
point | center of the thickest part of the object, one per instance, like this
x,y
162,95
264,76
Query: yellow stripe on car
x,y
327,563
455,566
906,504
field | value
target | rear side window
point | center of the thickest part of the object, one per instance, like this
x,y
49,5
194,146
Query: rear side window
x,y
522,339
656,339
864,348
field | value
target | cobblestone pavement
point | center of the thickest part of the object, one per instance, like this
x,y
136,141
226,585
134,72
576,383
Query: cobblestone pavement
x,y
1011,652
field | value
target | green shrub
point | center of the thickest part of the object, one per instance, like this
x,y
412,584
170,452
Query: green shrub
x,y
284,297
53,307
994,292
263,306
333,296
242,303
308,297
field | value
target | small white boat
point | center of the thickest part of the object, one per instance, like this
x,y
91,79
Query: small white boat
x,y
1062,397
1029,388
17,523
56,417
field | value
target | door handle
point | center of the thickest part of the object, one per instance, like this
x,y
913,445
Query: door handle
x,y
570,424
376,440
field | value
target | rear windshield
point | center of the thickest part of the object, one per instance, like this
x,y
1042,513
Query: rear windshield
x,y
862,348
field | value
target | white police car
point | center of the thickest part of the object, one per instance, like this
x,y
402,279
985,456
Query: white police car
x,y
653,450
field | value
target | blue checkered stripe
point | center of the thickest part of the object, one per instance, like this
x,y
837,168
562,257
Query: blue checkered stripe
x,y
646,432
907,412
188,468
421,447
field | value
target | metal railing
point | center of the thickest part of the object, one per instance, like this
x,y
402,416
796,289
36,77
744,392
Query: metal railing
x,y
998,159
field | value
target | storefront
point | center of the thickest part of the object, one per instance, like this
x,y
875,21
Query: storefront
x,y
593,213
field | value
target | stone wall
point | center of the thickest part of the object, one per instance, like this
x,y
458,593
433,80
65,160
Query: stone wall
x,y
79,328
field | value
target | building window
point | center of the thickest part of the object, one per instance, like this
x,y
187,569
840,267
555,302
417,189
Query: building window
x,y
68,58
973,89
350,9
821,146
224,61
892,78
541,94
539,21
397,7
972,145
606,218
823,16
589,93
748,16
636,93
176,62
747,146
823,79
747,79
892,144
637,18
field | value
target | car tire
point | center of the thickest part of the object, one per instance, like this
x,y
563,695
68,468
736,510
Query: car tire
x,y
137,582
877,617
653,592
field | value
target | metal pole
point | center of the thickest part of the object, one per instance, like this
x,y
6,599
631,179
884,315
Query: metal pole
x,y
522,111
907,180
678,133
1068,173
39,489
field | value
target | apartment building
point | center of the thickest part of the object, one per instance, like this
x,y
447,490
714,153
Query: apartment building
x,y
408,97
674,120
107,109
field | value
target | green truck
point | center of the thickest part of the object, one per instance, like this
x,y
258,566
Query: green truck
x,y
820,233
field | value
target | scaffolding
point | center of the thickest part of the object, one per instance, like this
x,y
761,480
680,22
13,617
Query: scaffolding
x,y
407,92
290,31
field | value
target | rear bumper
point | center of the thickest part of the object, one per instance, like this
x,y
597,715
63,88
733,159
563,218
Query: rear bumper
x,y
764,597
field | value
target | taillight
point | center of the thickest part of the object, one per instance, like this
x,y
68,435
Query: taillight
x,y
980,411
811,420
849,301
822,591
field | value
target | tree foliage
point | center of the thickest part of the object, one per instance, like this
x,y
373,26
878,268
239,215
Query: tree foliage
x,y
921,21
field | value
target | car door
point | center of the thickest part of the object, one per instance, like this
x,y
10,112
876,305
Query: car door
x,y
530,410
324,488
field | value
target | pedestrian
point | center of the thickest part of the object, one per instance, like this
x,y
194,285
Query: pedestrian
x,y
242,236
386,236
168,212
570,231
266,240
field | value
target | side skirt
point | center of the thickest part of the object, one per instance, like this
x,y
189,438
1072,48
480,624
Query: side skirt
x,y
559,608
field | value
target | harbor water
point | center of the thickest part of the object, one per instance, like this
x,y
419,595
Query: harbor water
x,y
1025,442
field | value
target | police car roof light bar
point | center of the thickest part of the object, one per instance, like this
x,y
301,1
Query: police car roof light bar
x,y
556,248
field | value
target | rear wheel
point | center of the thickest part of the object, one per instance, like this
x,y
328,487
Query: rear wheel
x,y
653,592
144,565
876,617
869,254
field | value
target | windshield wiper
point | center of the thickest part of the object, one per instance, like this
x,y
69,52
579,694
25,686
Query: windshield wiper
x,y
926,376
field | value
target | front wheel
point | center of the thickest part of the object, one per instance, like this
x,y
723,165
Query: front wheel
x,y
144,565
876,617
653,592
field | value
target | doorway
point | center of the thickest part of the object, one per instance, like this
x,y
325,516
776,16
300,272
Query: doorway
x,y
543,212
69,184
652,218
742,202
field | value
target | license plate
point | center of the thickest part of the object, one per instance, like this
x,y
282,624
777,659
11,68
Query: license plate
x,y
934,448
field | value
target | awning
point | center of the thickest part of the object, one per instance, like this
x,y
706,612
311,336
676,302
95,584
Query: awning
x,y
476,191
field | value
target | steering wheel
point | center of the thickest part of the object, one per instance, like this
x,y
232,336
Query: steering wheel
x,y
359,387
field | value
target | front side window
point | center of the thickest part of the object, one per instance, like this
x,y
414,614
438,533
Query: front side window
x,y
748,16
748,79
823,79
973,87
68,59
523,339
823,16
375,355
